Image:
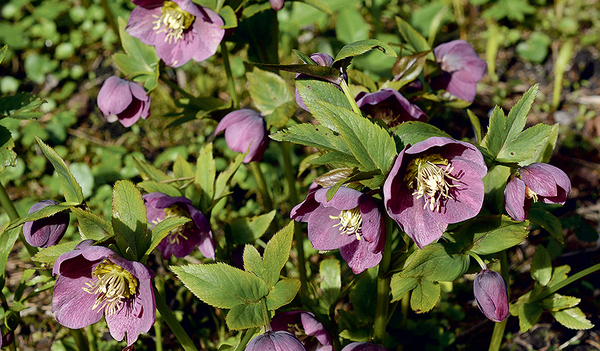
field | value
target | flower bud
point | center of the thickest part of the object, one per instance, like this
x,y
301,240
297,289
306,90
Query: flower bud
x,y
47,231
363,346
275,341
245,130
491,295
123,101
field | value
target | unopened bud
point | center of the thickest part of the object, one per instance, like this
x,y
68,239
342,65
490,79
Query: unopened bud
x,y
491,295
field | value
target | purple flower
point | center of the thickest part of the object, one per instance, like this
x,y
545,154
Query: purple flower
x,y
123,101
321,60
275,341
363,346
47,231
461,69
350,222
491,295
94,281
433,183
245,128
390,106
179,30
183,239
277,4
538,181
288,321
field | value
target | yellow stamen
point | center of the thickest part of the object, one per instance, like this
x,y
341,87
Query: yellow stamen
x,y
430,179
114,284
530,194
350,222
173,21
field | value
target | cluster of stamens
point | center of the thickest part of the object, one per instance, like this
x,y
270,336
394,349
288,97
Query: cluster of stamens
x,y
177,234
173,21
430,179
350,222
113,286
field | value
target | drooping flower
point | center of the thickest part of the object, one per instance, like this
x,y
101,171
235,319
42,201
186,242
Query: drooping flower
x,y
320,59
537,181
433,183
123,101
390,106
363,346
47,231
183,239
350,221
179,30
277,4
491,295
275,341
312,333
93,281
461,69
245,128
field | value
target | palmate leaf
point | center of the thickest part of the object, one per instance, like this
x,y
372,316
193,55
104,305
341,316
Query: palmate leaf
x,y
141,60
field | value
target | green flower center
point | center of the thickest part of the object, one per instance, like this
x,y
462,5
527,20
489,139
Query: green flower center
x,y
173,20
175,235
113,285
429,180
350,222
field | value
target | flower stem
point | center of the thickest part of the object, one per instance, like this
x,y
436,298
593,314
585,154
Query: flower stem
x,y
478,259
176,87
498,333
383,286
80,340
89,332
554,288
230,81
262,186
169,317
10,209
159,283
350,98
246,336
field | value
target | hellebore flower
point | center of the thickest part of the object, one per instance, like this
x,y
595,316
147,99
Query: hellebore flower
x,y
321,60
461,69
538,181
275,341
491,295
277,4
47,231
123,101
390,106
94,281
245,128
363,346
179,30
350,221
183,239
433,183
320,341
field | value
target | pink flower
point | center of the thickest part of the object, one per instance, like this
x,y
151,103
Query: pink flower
x,y
491,295
123,101
433,183
245,129
47,231
538,181
277,4
275,341
390,106
317,337
363,346
179,30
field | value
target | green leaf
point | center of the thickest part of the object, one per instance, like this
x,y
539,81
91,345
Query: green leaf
x,y
476,125
331,281
425,296
358,77
313,90
313,135
148,171
248,229
91,226
246,316
277,253
547,221
163,229
413,132
283,293
20,106
225,177
253,263
318,5
366,285
221,285
129,218
8,157
141,61
529,314
572,318
71,190
527,144
206,170
347,52
541,266
408,68
557,302
268,90
535,48
327,73
350,26
492,234
495,136
401,286
182,168
281,115
412,36
7,241
151,186
3,52
335,159
50,254
559,274
43,213
437,262
229,17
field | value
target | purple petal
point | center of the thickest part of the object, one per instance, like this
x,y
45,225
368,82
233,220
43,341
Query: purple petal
x,y
491,295
71,305
176,53
303,210
211,35
514,199
359,257
324,232
390,101
546,181
275,341
114,96
344,199
276,4
141,24
245,130
363,346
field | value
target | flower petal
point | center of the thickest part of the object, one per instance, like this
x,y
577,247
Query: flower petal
x,y
359,257
514,199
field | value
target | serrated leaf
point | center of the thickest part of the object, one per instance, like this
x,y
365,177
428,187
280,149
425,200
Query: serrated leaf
x,y
268,90
541,266
358,77
224,177
529,314
20,106
245,316
70,187
414,131
3,52
148,171
8,157
277,253
332,177
7,241
495,136
313,135
42,213
150,186
327,73
206,171
91,226
348,52
572,318
527,144
182,168
400,286
493,234
334,158
141,59
253,263
412,36
318,5
556,302
221,285
407,68
163,229
281,115
312,90
129,218
331,281
283,293
51,253
248,229
437,262
425,296
517,116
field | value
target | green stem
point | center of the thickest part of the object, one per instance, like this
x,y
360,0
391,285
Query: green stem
x,y
551,289
350,98
230,80
89,332
10,209
80,340
110,17
477,258
246,336
262,186
172,322
498,333
219,5
176,87
383,286
298,235
159,283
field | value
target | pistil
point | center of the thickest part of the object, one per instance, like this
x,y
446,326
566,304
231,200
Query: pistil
x,y
114,284
430,177
350,222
